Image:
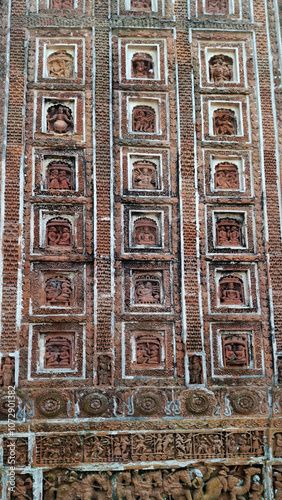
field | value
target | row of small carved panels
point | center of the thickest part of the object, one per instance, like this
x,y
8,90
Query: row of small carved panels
x,y
209,481
74,448
140,403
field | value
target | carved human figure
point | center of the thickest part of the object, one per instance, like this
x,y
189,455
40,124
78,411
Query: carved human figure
x,y
278,445
143,119
59,176
58,233
148,485
231,291
59,119
238,488
142,66
177,485
147,289
244,444
104,370
224,122
217,6
60,64
235,351
58,290
277,474
229,232
141,5
145,232
58,352
195,370
221,69
144,175
7,372
148,351
226,176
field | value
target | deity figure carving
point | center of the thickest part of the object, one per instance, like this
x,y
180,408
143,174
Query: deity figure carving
x,y
58,233
7,372
61,4
221,69
144,119
235,351
224,122
195,370
145,232
59,119
144,175
229,232
58,352
59,175
226,176
60,64
147,289
58,291
148,351
141,4
231,291
23,489
142,66
104,370
217,6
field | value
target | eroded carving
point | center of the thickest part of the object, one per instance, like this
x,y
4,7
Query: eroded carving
x,y
144,175
147,403
21,451
141,5
226,176
244,444
148,351
143,119
221,69
23,489
58,233
244,402
107,448
198,402
7,371
279,368
145,232
217,6
142,66
231,291
59,119
95,404
59,449
58,291
195,370
61,4
229,233
235,351
59,352
147,289
224,122
104,370
59,176
60,64
277,482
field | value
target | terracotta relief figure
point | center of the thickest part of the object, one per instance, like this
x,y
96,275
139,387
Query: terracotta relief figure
x,y
217,6
226,176
58,233
141,5
60,64
104,370
144,175
58,352
148,351
58,291
229,233
7,372
61,4
224,122
279,368
143,119
23,489
235,351
195,370
142,66
231,291
145,232
221,68
59,175
59,119
147,289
